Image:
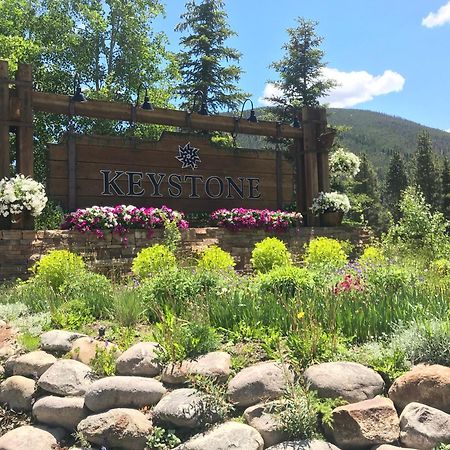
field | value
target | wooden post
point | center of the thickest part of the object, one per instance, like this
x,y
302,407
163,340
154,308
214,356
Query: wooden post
x,y
323,164
279,178
72,171
4,120
300,189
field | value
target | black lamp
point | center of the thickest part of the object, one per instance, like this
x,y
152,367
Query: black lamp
x,y
204,106
78,95
147,105
252,118
296,121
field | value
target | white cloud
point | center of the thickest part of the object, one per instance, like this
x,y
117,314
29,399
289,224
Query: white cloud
x,y
436,19
353,87
448,131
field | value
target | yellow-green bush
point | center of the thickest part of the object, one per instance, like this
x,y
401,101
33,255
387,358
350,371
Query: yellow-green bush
x,y
151,260
269,254
372,256
326,251
214,258
285,280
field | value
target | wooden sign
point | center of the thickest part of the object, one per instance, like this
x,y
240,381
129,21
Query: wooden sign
x,y
183,171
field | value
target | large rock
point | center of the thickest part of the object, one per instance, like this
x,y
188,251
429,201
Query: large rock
x,y
31,438
351,381
390,447
365,424
67,377
424,427
17,392
260,382
429,385
33,364
8,365
65,412
262,419
140,359
183,408
58,341
214,365
228,436
123,392
313,444
84,349
119,428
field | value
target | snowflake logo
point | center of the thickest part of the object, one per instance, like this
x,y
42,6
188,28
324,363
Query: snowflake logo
x,y
188,156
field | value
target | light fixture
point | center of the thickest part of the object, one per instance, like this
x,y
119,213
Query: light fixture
x,y
296,121
78,95
204,106
252,118
147,105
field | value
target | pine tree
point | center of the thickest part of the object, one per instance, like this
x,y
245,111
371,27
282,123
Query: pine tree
x,y
425,171
445,178
396,182
204,64
301,79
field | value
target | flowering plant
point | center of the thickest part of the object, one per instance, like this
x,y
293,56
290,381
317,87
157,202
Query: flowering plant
x,y
21,193
242,218
121,218
343,164
330,202
349,283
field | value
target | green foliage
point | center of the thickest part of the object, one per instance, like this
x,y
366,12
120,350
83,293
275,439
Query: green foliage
x,y
36,293
58,266
286,281
50,218
214,258
441,267
151,260
445,180
372,256
323,251
128,306
104,362
29,341
396,182
270,253
161,439
71,315
172,235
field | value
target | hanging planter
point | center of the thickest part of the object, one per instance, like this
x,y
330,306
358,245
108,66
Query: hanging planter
x,y
330,207
331,219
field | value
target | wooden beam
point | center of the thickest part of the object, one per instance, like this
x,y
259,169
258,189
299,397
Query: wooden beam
x,y
61,104
325,143
4,118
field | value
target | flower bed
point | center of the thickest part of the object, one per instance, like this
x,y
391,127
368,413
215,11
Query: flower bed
x,y
120,219
241,218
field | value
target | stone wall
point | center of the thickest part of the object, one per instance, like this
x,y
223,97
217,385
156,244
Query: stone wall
x,y
19,249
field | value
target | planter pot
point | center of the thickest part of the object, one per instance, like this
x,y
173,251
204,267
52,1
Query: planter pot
x,y
22,221
331,219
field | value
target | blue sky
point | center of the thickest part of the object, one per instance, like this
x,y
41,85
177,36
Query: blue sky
x,y
391,56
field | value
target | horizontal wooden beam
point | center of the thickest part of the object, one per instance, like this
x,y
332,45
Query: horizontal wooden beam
x,y
61,104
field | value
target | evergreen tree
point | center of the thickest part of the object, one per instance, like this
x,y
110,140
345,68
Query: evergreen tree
x,y
205,63
396,182
425,171
301,79
445,178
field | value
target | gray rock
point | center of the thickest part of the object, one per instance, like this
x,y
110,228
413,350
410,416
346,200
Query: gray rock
x,y
67,377
123,428
351,381
365,424
260,382
390,447
33,364
262,419
65,412
313,444
123,392
183,408
8,365
17,392
214,364
424,427
58,341
140,359
228,436
84,349
29,437
2,371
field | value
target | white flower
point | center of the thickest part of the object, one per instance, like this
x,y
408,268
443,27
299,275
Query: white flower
x,y
330,202
343,164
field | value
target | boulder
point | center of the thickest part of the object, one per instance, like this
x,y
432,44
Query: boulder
x,y
215,365
17,392
67,378
123,392
351,381
84,349
314,444
424,427
365,424
262,419
183,408
228,436
390,447
31,437
121,427
33,364
58,341
429,385
8,365
140,359
263,381
2,371
65,412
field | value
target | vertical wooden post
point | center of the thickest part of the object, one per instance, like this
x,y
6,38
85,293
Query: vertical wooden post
x,y
25,129
4,121
323,164
71,170
279,178
299,181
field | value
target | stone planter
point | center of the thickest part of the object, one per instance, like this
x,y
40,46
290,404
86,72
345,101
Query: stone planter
x,y
331,219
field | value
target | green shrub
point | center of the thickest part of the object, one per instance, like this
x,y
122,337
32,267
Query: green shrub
x,y
128,306
269,254
152,260
214,258
51,217
71,315
37,294
371,256
441,267
323,251
161,439
285,280
58,266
